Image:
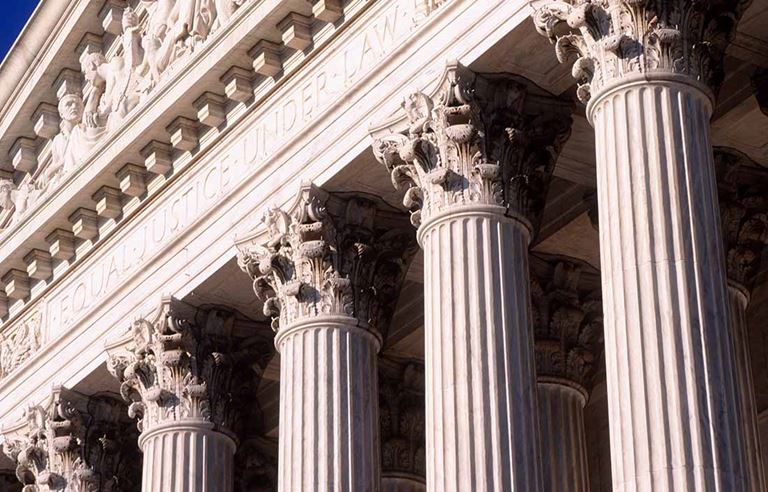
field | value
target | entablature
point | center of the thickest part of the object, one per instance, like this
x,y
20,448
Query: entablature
x,y
363,68
69,189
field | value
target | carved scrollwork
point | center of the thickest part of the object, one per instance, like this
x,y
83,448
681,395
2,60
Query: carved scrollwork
x,y
744,214
185,364
483,140
75,444
567,327
611,39
331,255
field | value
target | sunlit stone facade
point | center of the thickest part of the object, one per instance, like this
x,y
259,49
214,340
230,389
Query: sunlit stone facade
x,y
385,245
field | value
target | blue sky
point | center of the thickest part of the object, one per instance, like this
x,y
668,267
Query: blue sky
x,y
15,15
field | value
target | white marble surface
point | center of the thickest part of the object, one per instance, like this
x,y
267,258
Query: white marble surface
x,y
329,408
673,404
482,427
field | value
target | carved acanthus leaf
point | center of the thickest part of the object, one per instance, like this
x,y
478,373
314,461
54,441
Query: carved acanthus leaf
x,y
186,363
76,444
567,327
401,403
744,214
331,255
483,140
611,39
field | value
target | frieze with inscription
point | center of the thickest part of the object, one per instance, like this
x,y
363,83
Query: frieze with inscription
x,y
216,178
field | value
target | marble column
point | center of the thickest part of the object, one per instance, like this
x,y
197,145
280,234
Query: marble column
x,y
329,270
476,162
401,402
186,376
75,443
742,186
647,71
568,342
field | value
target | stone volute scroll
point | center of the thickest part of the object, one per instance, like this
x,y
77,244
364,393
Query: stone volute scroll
x,y
486,140
613,41
76,443
329,255
329,269
186,373
649,71
475,158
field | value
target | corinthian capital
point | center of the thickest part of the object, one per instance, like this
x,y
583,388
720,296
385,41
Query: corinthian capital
x,y
401,412
74,443
744,212
329,254
185,363
612,39
481,140
567,320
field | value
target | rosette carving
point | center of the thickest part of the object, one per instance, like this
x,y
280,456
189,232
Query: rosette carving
x,y
74,444
568,327
611,39
330,255
187,363
483,140
744,213
401,412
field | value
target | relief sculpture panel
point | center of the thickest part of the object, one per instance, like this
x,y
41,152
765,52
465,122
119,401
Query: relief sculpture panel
x,y
19,343
150,46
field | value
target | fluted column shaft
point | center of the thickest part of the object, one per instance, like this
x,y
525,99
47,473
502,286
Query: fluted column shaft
x,y
563,442
480,378
187,457
329,419
739,300
673,407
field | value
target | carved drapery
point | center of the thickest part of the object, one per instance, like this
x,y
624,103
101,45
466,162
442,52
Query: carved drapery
x,y
77,444
482,140
186,363
401,403
20,342
16,200
567,328
614,39
330,255
95,104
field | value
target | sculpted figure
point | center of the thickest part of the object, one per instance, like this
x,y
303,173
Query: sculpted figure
x,y
225,9
69,146
114,83
195,20
20,200
158,41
